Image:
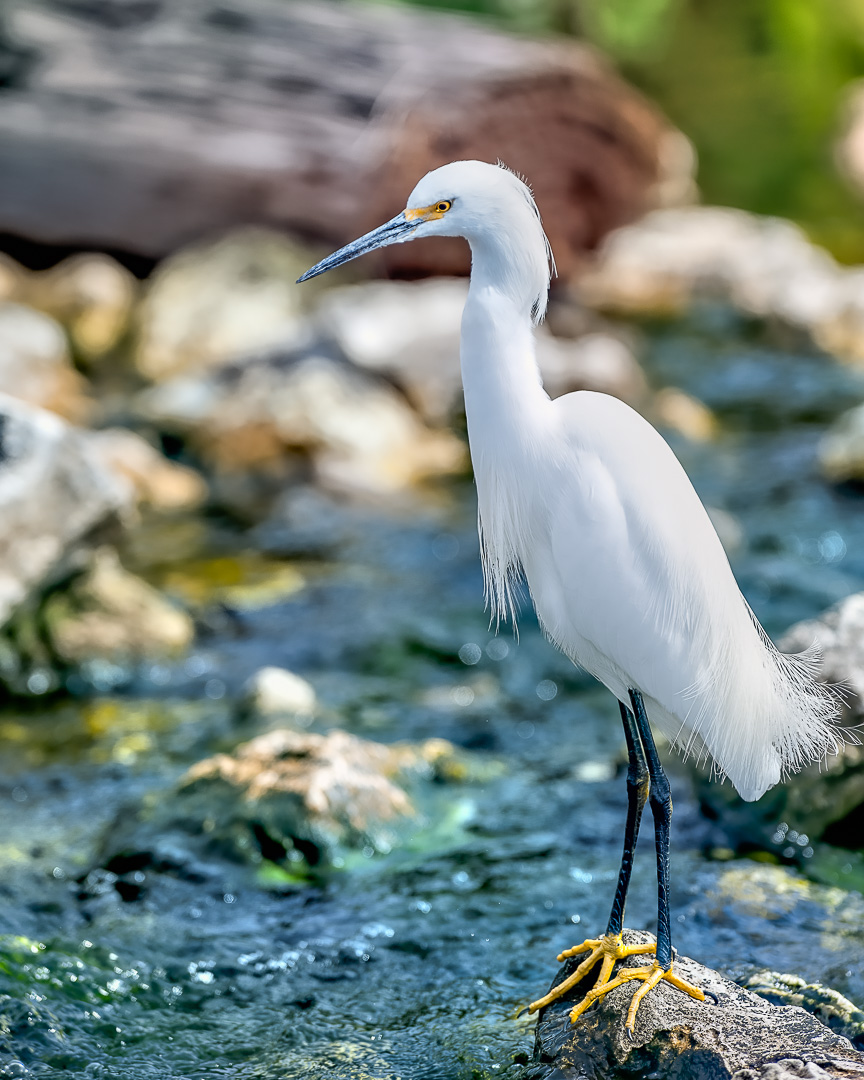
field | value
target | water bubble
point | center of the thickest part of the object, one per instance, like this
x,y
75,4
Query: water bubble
x,y
788,852
19,794
576,919
196,666
462,695
368,851
497,649
546,689
807,852
525,729
229,898
579,874
159,674
832,546
39,682
214,689
470,653
423,906
803,840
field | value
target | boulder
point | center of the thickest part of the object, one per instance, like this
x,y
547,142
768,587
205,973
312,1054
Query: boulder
x,y
314,117
733,1034
35,364
765,266
56,497
214,303
154,479
360,433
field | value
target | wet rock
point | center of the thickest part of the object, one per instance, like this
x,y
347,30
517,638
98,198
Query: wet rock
x,y
841,450
35,364
409,331
106,613
93,297
832,1009
294,799
155,480
739,1035
215,303
55,497
274,692
359,431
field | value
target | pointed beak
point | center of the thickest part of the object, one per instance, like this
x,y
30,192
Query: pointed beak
x,y
394,231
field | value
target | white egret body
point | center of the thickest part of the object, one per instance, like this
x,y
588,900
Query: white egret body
x,y
584,497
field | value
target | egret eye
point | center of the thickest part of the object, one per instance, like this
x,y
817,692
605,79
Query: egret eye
x,y
443,206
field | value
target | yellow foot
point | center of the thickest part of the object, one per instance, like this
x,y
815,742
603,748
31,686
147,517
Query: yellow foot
x,y
609,949
648,976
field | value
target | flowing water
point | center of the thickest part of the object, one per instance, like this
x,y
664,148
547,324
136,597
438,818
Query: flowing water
x,y
412,963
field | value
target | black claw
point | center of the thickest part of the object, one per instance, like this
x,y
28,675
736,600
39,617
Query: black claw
x,y
712,995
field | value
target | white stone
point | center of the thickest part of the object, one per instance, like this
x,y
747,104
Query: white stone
x,y
274,691
214,304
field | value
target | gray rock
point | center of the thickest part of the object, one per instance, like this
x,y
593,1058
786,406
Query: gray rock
x,y
765,266
359,431
55,496
841,449
739,1035
35,364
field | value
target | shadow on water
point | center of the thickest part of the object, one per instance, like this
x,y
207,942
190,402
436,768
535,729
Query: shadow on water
x,y
412,963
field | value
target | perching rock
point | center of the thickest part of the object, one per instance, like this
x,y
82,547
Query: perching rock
x,y
359,431
35,364
409,331
154,479
274,692
55,497
106,613
832,1009
740,1035
214,303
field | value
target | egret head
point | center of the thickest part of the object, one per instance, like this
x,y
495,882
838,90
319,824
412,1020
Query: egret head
x,y
487,204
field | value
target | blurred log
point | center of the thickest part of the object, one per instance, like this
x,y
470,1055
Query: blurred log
x,y
139,125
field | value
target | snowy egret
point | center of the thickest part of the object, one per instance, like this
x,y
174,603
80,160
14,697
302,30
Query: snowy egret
x,y
583,498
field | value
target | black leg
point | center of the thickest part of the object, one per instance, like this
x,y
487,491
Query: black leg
x,y
637,794
661,808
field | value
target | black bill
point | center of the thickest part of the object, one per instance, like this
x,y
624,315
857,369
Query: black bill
x,y
394,231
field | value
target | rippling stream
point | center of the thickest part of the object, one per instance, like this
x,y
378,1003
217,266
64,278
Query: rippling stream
x,y
412,963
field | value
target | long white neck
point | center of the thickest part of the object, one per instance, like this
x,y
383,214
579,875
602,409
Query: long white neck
x,y
508,414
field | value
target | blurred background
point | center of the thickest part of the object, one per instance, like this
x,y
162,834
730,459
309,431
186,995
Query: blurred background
x,y
274,799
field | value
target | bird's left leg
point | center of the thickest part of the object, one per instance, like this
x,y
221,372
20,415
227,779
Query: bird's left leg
x,y
610,948
661,807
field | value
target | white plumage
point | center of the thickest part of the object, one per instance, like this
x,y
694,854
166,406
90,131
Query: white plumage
x,y
584,497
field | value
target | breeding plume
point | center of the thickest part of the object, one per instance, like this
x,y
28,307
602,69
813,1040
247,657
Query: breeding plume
x,y
584,499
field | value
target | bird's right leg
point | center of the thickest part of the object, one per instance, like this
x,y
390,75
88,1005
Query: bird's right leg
x,y
610,948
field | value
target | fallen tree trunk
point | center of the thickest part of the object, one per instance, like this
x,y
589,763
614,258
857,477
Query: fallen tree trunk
x,y
139,125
